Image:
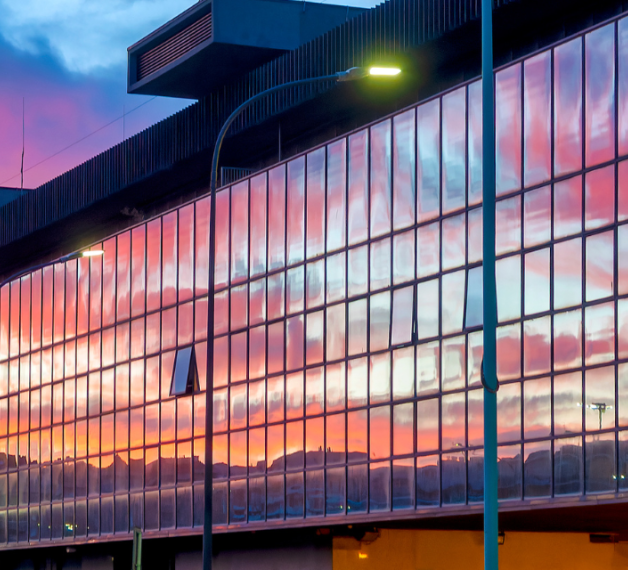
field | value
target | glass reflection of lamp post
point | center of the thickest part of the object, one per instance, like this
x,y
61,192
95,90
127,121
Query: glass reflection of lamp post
x,y
349,75
64,259
600,407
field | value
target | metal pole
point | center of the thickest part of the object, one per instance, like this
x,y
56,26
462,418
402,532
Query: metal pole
x,y
489,364
349,75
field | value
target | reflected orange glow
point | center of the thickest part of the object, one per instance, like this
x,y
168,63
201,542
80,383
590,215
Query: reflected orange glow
x,y
379,432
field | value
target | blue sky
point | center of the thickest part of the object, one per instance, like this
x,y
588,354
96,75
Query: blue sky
x,y
67,60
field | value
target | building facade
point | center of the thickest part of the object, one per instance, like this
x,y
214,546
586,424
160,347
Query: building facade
x,y
348,335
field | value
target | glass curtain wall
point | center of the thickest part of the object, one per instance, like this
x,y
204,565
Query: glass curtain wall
x,y
348,327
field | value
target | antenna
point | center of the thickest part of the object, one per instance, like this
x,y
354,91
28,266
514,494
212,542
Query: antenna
x,y
22,167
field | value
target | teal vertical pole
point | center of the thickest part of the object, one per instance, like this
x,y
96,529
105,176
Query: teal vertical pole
x,y
489,293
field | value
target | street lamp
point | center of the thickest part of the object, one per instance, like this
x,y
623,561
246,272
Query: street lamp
x,y
70,257
351,74
489,294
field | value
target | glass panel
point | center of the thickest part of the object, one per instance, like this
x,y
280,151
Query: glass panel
x,y
599,405
295,290
427,425
315,209
454,478
454,246
357,383
568,466
153,265
428,309
221,276
537,407
428,250
47,303
138,269
314,337
452,302
335,332
314,441
239,232
314,391
600,467
276,217
201,244
428,368
475,420
295,214
568,107
537,289
59,309
379,385
70,306
379,486
568,340
358,187
475,143
622,260
600,95
404,169
381,178
35,330
509,352
428,160
453,413
509,472
599,198
336,277
380,264
600,265
335,387
258,225
403,373
427,481
567,273
537,120
454,150
357,271
336,194
454,363
568,403
357,327
379,322
402,315
599,344
508,225
537,469
537,210
403,257
509,412
537,342
508,129
169,259
474,308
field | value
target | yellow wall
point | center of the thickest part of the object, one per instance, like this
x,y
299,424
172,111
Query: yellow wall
x,y
448,550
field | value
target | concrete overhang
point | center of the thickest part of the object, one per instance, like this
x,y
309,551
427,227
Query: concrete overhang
x,y
216,41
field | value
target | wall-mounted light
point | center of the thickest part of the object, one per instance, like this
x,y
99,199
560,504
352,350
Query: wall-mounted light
x,y
362,555
501,538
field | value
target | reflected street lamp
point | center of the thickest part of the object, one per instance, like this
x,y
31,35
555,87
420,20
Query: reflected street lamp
x,y
351,74
64,259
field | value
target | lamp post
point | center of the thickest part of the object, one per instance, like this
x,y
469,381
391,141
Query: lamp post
x,y
65,258
349,75
489,294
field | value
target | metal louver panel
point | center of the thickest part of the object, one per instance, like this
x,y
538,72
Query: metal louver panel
x,y
176,46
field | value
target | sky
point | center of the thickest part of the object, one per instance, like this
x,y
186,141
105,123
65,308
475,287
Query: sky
x,y
63,63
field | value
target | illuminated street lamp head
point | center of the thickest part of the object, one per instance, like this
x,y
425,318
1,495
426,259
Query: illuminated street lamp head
x,y
78,254
384,71
360,72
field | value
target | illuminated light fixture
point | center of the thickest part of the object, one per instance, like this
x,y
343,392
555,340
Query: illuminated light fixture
x,y
362,555
501,538
79,254
384,71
